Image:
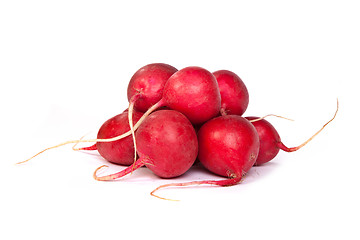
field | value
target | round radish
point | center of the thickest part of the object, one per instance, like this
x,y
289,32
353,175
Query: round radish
x,y
194,92
147,84
228,146
234,94
167,145
120,151
270,142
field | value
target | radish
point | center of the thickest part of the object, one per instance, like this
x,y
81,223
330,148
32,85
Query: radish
x,y
234,94
228,146
270,142
167,145
194,92
120,151
146,85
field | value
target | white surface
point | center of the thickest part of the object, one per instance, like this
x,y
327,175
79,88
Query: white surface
x,y
64,69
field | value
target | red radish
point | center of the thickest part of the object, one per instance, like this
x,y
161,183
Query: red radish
x,y
121,151
194,92
270,142
167,145
228,146
234,94
148,83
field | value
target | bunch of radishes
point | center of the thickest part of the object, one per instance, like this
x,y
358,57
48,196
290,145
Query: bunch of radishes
x,y
178,116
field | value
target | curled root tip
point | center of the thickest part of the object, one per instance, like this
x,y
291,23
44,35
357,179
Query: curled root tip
x,y
167,199
97,170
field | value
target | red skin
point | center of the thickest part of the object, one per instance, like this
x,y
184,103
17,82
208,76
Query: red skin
x,y
169,140
269,140
120,151
194,92
166,144
234,94
228,146
149,82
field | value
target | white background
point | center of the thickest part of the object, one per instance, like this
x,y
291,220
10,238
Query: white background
x,y
64,70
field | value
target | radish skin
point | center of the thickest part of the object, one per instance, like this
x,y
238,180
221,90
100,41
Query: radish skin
x,y
234,94
148,82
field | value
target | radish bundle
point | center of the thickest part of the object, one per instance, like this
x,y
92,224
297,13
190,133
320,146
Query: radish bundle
x,y
177,116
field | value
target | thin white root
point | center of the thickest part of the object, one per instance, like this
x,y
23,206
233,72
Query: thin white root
x,y
131,123
77,149
270,115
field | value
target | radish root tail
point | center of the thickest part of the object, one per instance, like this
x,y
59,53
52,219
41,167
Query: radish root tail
x,y
139,163
222,183
270,115
292,149
90,148
93,147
